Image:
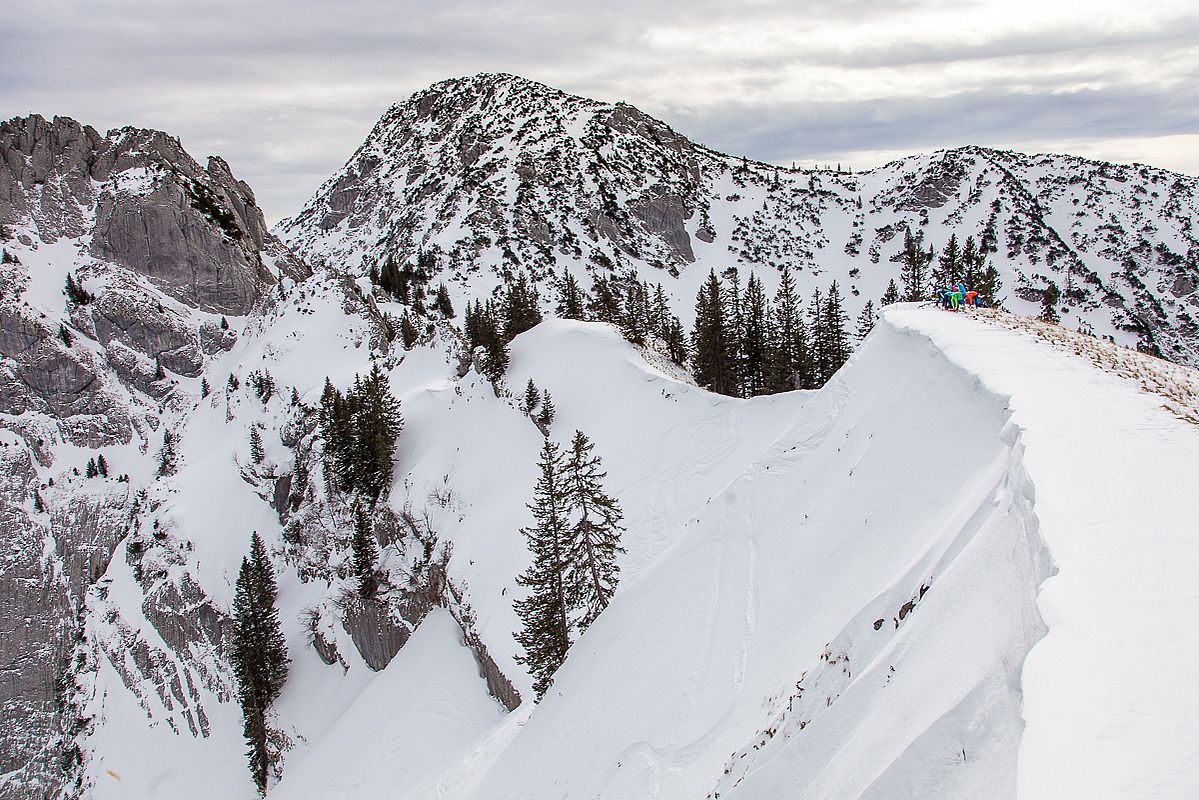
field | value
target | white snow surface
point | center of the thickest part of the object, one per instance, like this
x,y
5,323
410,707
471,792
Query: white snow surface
x,y
964,568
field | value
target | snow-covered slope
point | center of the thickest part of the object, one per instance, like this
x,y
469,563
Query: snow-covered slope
x,y
933,577
492,174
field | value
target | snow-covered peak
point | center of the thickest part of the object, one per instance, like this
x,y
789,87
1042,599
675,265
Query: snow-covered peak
x,y
495,174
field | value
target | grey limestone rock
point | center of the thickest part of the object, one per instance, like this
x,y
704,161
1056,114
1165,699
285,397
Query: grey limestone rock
x,y
46,173
137,319
215,339
376,634
196,259
38,614
664,216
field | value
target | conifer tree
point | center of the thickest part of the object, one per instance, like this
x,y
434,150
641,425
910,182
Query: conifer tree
x,y
735,320
593,537
76,293
783,362
807,375
394,281
605,304
90,471
972,263
950,264
256,452
572,301
891,295
915,268
532,397
836,347
1049,299
546,417
482,331
101,466
866,320
660,314
520,308
818,356
408,332
359,431
442,302
258,654
364,551
712,351
989,285
204,388
166,456
496,357
676,341
754,344
633,322
545,630
377,423
65,335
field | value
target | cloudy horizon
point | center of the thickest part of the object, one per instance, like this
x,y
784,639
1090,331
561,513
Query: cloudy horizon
x,y
286,92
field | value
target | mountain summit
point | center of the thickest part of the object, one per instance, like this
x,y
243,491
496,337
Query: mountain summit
x,y
498,173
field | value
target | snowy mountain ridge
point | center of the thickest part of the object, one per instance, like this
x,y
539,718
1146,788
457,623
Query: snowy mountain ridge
x,y
884,588
498,174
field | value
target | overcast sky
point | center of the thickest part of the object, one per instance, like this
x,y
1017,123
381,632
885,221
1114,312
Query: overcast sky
x,y
286,90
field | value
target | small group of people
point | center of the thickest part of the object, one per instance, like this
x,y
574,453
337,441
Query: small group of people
x,y
956,295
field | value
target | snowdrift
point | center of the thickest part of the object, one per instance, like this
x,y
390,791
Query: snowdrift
x,y
961,569
963,572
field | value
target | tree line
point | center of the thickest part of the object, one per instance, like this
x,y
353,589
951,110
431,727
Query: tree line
x,y
744,344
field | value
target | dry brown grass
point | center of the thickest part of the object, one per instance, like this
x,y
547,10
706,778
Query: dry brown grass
x,y
1177,386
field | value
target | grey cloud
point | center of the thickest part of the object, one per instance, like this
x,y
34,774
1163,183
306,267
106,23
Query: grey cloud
x,y
286,91
992,118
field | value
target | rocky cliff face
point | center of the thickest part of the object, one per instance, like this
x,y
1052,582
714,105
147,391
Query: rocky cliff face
x,y
160,249
496,173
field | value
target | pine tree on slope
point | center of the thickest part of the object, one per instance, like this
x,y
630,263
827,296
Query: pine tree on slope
x,y
915,269
256,452
377,424
891,295
866,321
545,631
817,370
783,360
712,351
755,330
258,655
572,301
365,552
594,533
520,308
836,346
532,397
950,264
